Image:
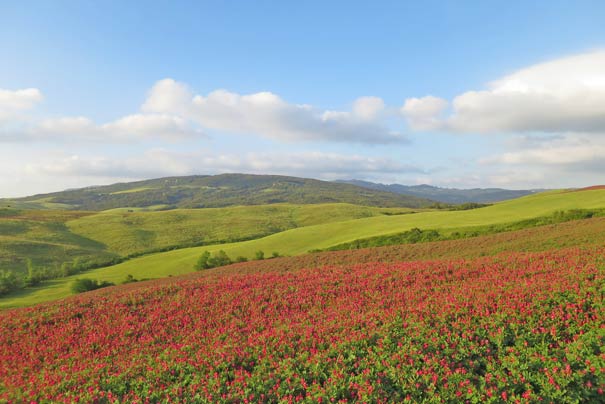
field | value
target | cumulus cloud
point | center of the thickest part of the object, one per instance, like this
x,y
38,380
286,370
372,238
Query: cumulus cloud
x,y
167,163
368,108
172,111
128,128
424,113
267,114
566,94
580,151
17,126
12,102
156,125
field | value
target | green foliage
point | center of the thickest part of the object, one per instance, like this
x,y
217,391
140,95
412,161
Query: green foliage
x,y
219,259
416,235
202,262
206,261
34,275
129,279
9,281
85,285
412,236
259,255
469,206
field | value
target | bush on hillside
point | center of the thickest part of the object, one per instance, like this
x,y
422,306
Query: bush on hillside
x,y
86,284
206,261
9,281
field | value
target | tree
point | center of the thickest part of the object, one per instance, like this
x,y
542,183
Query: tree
x,y
260,255
34,276
9,281
85,284
202,262
220,259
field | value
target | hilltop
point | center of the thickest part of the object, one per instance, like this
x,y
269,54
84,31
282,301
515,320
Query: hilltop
x,y
445,195
204,191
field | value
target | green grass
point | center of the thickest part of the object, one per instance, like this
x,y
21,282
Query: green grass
x,y
52,237
301,240
128,209
131,233
129,191
43,237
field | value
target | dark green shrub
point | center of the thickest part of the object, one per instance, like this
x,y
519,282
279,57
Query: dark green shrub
x,y
220,259
129,279
9,281
85,285
203,262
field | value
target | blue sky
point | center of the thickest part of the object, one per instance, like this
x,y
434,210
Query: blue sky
x,y
87,91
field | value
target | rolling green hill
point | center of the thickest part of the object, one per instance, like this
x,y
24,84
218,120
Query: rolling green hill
x,y
303,239
215,191
44,238
51,237
128,233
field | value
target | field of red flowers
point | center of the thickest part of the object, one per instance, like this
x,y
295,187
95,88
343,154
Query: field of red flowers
x,y
515,327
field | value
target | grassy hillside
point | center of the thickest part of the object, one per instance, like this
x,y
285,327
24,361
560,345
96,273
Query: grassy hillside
x,y
127,233
51,237
302,240
44,238
216,191
571,234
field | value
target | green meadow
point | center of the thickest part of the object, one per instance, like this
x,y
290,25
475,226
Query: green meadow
x,y
51,237
320,236
129,233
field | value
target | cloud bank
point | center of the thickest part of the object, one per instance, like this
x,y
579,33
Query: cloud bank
x,y
566,94
268,115
167,163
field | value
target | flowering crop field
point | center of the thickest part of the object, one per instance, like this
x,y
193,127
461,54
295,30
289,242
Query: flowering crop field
x,y
514,327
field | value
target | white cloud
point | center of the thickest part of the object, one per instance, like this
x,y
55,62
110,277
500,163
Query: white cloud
x,y
368,108
66,126
171,111
150,125
566,94
126,129
167,163
13,102
19,99
566,160
424,113
268,115
578,150
168,96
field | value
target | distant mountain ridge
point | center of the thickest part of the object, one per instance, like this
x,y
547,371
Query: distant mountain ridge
x,y
206,191
445,195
